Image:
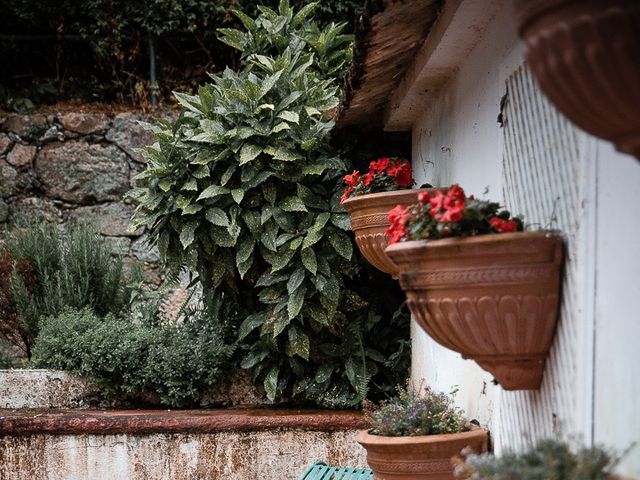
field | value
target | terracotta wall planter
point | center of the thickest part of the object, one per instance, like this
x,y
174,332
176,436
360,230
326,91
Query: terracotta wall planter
x,y
369,223
425,457
493,298
584,54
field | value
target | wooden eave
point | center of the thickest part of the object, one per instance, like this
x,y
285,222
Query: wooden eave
x,y
388,34
391,83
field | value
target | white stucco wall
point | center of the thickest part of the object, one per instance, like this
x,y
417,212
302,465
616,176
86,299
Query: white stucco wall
x,y
591,390
457,140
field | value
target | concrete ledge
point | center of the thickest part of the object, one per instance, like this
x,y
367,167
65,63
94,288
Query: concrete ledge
x,y
143,422
177,445
40,388
44,389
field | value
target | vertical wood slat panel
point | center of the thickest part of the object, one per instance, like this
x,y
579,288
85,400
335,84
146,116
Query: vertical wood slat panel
x,y
540,172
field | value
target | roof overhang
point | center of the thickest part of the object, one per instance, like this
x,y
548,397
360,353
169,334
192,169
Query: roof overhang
x,y
388,34
394,100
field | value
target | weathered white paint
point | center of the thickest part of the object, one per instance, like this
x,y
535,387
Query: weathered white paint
x,y
219,456
458,29
457,139
617,304
591,389
43,389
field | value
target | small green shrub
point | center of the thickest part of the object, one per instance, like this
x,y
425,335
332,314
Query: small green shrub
x,y
413,412
49,270
128,358
547,460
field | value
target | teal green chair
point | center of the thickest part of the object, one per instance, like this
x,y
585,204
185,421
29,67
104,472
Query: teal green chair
x,y
321,471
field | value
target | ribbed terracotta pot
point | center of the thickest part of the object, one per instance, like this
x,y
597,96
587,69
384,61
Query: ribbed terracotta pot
x,y
426,457
369,223
493,298
585,55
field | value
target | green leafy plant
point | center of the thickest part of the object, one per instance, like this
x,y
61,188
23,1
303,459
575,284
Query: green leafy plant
x,y
150,358
547,460
45,271
450,214
414,412
243,188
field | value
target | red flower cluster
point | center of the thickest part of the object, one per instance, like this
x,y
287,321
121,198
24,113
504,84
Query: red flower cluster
x,y
500,225
445,208
440,214
398,218
384,174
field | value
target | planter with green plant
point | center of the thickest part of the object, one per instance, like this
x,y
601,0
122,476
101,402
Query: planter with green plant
x,y
368,199
547,459
416,434
478,284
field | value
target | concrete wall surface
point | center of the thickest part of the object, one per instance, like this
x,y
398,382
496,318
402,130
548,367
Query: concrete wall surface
x,y
41,388
216,456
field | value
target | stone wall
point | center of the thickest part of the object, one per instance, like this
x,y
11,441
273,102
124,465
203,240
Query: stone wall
x,y
45,389
74,166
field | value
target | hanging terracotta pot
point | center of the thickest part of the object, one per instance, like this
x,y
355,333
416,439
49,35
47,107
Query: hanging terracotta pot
x,y
584,54
493,298
369,223
423,457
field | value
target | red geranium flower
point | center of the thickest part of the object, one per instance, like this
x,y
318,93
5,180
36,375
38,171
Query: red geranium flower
x,y
501,225
379,166
436,202
402,172
424,197
352,179
398,217
346,193
368,178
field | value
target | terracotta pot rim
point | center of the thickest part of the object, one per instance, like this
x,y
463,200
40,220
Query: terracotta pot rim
x,y
381,195
365,437
475,239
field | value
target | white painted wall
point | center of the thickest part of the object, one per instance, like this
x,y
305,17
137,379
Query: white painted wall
x,y
617,305
457,140
591,389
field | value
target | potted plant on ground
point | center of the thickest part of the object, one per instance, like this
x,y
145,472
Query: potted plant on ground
x,y
545,460
369,197
478,284
416,434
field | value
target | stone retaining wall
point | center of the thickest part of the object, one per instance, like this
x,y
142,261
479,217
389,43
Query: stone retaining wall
x,y
45,389
74,165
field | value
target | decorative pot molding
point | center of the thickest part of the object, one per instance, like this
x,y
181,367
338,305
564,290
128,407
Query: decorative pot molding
x,y
493,298
584,54
425,457
369,223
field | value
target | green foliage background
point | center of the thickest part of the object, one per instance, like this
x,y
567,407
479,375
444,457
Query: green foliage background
x,y
98,49
243,188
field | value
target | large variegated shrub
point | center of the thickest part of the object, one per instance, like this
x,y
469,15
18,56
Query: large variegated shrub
x,y
243,189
